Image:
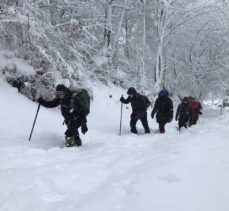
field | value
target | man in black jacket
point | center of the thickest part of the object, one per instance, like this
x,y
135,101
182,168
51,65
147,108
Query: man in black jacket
x,y
139,104
183,113
163,108
74,116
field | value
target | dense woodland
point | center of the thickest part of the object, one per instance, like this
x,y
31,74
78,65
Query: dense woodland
x,y
182,45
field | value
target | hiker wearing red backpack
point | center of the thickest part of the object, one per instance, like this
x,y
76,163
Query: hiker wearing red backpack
x,y
195,111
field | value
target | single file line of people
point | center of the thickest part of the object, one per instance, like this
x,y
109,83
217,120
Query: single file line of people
x,y
76,106
187,114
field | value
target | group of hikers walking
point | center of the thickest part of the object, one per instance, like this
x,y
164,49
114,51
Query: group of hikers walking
x,y
76,106
187,113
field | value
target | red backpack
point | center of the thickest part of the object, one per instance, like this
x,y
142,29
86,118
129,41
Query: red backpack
x,y
196,107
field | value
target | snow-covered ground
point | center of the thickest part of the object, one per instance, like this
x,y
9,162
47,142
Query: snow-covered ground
x,y
187,171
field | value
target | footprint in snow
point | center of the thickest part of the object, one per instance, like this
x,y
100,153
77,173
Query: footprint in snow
x,y
170,178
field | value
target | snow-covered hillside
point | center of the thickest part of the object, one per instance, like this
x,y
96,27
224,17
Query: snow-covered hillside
x,y
185,171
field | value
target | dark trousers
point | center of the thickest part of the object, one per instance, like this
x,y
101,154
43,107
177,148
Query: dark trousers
x,y
162,120
193,120
143,118
72,130
182,122
162,127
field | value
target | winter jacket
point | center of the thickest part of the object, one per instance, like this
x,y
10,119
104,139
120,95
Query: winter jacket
x,y
70,108
195,108
163,108
183,111
139,103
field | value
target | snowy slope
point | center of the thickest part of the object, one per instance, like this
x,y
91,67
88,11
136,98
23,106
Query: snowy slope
x,y
185,171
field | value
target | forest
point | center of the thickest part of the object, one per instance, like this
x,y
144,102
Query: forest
x,y
181,45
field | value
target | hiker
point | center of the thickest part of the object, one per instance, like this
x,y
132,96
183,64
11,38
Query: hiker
x,y
163,108
196,108
73,112
139,104
183,113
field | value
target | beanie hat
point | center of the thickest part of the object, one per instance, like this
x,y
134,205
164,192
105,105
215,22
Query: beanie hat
x,y
61,88
163,93
132,91
185,100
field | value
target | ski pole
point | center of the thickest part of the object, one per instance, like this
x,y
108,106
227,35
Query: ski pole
x,y
120,129
34,121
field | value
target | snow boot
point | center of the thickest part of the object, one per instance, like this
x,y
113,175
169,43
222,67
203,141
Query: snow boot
x,y
147,130
78,141
134,130
73,141
70,141
162,130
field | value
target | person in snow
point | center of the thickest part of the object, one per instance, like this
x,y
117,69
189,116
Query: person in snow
x,y
196,108
183,113
74,115
139,104
163,108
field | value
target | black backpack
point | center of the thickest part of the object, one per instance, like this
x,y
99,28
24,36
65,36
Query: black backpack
x,y
146,101
82,99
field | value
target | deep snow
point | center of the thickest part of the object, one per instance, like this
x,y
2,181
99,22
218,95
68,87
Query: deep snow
x,y
185,171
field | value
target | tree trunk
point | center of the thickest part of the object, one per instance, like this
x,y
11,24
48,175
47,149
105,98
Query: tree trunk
x,y
108,25
143,77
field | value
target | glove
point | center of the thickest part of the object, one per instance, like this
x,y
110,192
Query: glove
x,y
170,119
152,115
122,99
40,100
200,113
84,129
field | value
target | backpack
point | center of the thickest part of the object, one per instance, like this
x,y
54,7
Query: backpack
x,y
146,101
184,110
165,106
195,106
82,99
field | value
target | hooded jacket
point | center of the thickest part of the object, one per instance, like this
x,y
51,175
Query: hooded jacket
x,y
163,108
183,111
139,103
69,105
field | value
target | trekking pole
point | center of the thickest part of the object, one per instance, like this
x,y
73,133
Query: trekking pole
x,y
120,129
34,121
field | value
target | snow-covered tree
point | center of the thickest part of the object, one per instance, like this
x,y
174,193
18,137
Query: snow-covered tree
x,y
181,45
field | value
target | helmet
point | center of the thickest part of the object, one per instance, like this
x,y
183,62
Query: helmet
x,y
132,91
163,93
